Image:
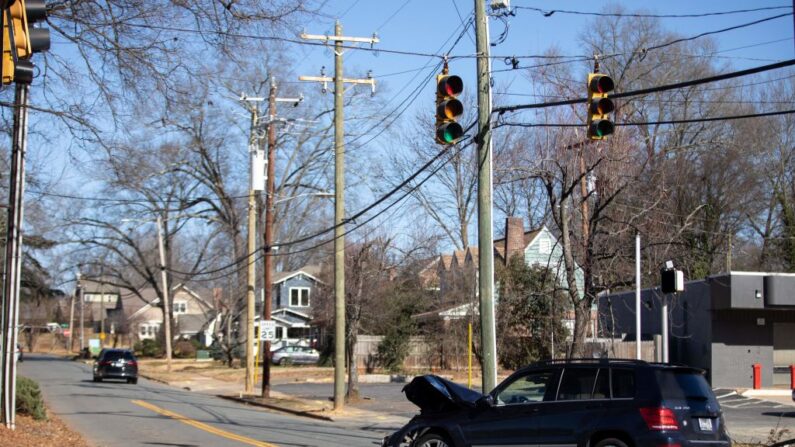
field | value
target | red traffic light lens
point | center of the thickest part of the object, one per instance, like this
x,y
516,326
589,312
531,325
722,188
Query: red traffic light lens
x,y
602,84
450,85
449,132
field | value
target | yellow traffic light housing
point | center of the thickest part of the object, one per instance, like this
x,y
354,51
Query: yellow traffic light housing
x,y
448,108
599,106
21,39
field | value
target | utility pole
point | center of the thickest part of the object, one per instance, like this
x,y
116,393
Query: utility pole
x,y
252,246
71,322
637,297
13,256
164,276
339,198
485,226
82,313
270,201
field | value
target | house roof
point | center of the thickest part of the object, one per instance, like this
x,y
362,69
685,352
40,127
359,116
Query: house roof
x,y
472,253
445,261
312,271
459,256
499,244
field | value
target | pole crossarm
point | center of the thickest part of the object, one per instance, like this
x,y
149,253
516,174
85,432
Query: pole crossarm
x,y
334,38
369,81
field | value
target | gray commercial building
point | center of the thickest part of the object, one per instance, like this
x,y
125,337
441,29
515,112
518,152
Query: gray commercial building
x,y
723,324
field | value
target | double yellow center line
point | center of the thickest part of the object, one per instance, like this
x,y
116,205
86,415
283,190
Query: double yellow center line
x,y
202,426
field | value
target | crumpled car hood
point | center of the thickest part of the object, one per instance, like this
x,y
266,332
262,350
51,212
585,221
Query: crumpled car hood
x,y
434,394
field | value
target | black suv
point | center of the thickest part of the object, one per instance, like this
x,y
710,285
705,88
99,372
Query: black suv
x,y
116,364
587,403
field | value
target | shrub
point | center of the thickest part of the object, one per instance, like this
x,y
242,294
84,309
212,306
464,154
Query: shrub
x,y
184,349
29,400
148,348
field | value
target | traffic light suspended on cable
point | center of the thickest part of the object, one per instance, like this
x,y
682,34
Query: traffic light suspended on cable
x,y
448,108
600,106
21,38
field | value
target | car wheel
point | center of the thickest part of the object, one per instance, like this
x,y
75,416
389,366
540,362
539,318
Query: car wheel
x,y
432,440
97,379
133,380
285,361
611,442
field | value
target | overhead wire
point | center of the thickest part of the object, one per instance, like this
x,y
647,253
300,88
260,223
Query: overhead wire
x,y
661,88
550,12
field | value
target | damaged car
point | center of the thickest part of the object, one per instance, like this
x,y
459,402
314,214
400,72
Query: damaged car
x,y
587,403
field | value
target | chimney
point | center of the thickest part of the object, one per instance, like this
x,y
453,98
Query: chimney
x,y
514,237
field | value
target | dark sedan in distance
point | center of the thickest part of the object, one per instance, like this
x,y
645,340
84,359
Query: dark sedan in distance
x,y
116,364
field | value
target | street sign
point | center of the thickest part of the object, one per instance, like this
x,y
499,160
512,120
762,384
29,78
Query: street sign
x,y
267,330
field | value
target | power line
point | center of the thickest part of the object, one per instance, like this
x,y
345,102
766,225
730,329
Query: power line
x,y
653,123
678,85
549,13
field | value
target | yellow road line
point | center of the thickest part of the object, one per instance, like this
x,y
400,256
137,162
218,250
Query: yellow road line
x,y
202,426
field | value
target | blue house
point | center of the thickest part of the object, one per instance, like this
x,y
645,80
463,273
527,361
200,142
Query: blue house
x,y
294,293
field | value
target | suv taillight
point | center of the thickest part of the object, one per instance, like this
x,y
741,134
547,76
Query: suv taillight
x,y
659,418
132,363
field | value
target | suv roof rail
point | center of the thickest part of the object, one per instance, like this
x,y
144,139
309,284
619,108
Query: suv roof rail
x,y
592,361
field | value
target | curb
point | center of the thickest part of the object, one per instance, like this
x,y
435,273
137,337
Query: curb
x,y
277,408
768,392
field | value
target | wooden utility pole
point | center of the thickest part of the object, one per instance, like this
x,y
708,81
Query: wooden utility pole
x,y
339,198
485,226
164,278
251,248
270,197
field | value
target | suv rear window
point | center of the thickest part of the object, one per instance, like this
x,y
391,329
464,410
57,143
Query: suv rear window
x,y
682,385
116,355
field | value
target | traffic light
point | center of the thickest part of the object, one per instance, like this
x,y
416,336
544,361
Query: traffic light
x,y
599,106
448,108
21,39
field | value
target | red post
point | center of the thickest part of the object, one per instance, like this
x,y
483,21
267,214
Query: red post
x,y
757,376
792,377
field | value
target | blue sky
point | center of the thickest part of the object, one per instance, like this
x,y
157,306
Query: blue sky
x,y
422,26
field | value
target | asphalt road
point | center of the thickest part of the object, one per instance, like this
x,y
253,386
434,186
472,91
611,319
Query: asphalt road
x,y
752,419
384,398
151,414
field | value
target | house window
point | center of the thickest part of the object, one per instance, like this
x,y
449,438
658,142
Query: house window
x,y
180,307
299,297
544,246
279,332
149,330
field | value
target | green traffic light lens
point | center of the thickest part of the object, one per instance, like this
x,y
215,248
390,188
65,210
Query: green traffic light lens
x,y
450,132
604,128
